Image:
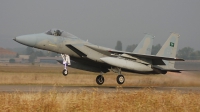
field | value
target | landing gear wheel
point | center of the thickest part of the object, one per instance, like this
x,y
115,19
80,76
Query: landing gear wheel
x,y
100,79
65,72
120,79
163,72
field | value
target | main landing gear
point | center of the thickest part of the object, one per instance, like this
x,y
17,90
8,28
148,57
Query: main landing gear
x,y
120,78
100,79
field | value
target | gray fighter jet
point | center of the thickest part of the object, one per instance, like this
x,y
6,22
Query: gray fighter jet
x,y
95,58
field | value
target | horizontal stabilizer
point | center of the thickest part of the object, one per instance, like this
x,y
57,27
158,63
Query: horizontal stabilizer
x,y
171,70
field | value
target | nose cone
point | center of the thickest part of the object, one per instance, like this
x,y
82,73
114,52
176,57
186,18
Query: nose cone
x,y
28,40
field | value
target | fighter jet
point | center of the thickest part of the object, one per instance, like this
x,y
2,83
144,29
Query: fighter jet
x,y
95,58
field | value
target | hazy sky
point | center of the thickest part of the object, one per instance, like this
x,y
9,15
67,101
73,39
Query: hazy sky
x,y
103,22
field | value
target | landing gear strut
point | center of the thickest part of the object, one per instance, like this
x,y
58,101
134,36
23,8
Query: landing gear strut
x,y
66,61
100,79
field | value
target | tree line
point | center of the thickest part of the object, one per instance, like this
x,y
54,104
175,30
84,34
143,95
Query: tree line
x,y
37,53
186,53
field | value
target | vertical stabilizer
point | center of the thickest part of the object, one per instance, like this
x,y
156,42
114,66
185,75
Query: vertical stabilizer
x,y
145,46
169,49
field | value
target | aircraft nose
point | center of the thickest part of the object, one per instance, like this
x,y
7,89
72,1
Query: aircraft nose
x,y
26,40
14,39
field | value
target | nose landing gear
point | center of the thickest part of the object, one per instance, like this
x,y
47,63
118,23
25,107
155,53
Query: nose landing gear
x,y
65,72
66,61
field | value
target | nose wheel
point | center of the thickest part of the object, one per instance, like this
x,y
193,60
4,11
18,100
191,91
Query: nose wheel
x,y
65,72
66,61
100,79
120,79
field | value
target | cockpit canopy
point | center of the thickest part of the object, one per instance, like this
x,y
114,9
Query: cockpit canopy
x,y
57,32
54,32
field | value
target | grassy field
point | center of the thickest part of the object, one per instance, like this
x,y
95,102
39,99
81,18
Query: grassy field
x,y
89,101
28,74
146,100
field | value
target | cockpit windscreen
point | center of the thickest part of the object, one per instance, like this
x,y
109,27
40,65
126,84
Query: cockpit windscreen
x,y
56,32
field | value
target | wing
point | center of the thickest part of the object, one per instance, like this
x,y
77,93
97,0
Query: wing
x,y
100,49
153,57
111,51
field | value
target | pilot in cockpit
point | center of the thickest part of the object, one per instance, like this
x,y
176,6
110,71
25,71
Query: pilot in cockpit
x,y
57,33
54,32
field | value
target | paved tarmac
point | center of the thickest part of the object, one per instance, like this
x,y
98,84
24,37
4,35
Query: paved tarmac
x,y
47,88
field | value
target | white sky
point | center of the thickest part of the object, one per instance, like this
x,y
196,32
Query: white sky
x,y
103,22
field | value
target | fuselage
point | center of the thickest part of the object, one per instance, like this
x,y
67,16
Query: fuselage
x,y
93,57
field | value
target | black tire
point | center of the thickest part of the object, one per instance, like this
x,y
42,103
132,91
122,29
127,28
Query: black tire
x,y
100,79
120,79
65,72
164,72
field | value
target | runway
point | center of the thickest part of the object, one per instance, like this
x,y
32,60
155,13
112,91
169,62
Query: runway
x,y
47,88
